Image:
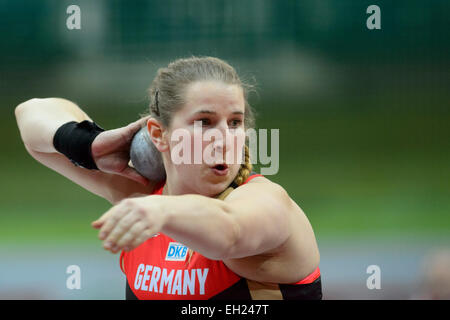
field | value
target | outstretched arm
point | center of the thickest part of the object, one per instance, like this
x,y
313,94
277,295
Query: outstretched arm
x,y
254,219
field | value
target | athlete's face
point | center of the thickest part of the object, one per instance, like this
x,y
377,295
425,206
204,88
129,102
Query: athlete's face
x,y
207,138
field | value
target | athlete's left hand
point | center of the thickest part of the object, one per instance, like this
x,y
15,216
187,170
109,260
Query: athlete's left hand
x,y
129,223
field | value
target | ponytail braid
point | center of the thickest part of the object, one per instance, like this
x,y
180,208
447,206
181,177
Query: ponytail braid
x,y
244,172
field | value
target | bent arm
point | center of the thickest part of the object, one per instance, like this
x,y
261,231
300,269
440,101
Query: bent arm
x,y
39,119
254,219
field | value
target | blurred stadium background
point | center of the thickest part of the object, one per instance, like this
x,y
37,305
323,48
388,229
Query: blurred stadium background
x,y
363,118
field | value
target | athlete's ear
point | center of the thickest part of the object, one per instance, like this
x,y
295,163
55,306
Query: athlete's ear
x,y
156,133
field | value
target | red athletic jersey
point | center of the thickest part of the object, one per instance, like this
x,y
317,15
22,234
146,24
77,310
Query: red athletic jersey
x,y
159,269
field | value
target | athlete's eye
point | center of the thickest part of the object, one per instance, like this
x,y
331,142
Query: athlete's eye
x,y
235,123
204,121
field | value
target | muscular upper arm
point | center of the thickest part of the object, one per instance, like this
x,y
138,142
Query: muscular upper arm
x,y
108,186
276,242
262,213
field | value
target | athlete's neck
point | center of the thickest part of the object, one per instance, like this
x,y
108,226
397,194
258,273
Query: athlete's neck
x,y
173,187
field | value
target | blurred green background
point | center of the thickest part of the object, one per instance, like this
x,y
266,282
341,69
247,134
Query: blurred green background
x,y
363,114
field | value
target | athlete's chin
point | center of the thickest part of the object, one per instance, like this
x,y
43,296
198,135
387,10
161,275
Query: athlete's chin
x,y
214,188
215,184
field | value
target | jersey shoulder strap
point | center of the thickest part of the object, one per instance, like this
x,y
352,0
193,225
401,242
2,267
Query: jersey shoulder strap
x,y
252,176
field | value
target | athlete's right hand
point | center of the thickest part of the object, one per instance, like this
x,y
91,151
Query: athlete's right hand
x,y
111,151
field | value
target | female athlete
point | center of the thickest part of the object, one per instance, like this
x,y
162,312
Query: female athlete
x,y
211,230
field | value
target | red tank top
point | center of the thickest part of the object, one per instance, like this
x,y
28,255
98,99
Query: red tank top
x,y
159,269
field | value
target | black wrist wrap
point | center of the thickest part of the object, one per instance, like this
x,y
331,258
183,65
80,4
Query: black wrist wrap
x,y
74,139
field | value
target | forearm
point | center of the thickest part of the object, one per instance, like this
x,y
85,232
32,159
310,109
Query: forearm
x,y
38,120
202,224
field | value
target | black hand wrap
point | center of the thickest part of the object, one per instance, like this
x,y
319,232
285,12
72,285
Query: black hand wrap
x,y
74,139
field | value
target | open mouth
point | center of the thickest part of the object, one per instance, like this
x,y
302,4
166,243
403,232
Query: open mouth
x,y
220,169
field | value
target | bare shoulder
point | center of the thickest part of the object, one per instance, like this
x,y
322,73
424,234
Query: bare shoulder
x,y
289,262
259,179
258,186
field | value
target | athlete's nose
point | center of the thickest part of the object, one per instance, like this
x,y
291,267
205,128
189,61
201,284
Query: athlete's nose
x,y
224,141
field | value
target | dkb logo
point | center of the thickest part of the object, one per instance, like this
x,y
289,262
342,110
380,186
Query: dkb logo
x,y
176,252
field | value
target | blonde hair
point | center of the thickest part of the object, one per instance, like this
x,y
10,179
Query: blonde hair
x,y
167,91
